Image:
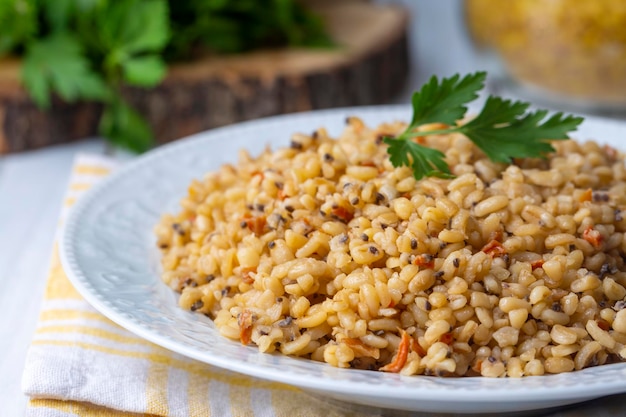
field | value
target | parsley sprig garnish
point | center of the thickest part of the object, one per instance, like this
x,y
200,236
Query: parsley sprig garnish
x,y
503,129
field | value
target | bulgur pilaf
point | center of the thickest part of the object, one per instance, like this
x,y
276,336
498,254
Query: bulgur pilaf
x,y
324,250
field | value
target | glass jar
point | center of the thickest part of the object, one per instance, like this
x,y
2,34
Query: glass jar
x,y
569,51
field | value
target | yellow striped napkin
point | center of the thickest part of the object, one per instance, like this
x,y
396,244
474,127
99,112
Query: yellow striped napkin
x,y
82,364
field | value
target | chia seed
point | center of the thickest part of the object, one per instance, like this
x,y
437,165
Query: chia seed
x,y
373,250
197,305
456,262
413,244
600,197
604,270
178,229
380,137
620,305
190,283
275,221
285,322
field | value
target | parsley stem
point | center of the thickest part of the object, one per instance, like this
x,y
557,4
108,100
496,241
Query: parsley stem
x,y
410,135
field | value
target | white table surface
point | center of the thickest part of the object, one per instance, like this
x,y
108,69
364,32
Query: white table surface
x,y
32,185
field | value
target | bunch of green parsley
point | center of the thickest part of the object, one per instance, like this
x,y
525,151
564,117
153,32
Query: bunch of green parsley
x,y
88,50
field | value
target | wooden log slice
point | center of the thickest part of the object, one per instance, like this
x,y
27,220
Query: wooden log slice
x,y
369,66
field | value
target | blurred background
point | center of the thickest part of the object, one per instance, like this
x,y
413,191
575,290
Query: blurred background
x,y
143,72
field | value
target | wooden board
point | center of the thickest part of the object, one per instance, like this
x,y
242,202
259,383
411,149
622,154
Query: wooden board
x,y
369,66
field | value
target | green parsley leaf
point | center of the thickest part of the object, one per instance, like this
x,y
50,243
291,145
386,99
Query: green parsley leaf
x,y
154,30
424,161
503,129
18,23
445,102
86,5
130,36
144,71
58,12
216,4
57,63
125,127
204,26
135,26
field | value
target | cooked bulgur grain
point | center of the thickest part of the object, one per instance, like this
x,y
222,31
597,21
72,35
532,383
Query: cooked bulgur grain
x,y
324,250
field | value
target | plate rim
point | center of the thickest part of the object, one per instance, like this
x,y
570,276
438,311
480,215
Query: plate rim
x,y
461,393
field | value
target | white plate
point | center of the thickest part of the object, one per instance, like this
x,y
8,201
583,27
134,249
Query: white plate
x,y
108,252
